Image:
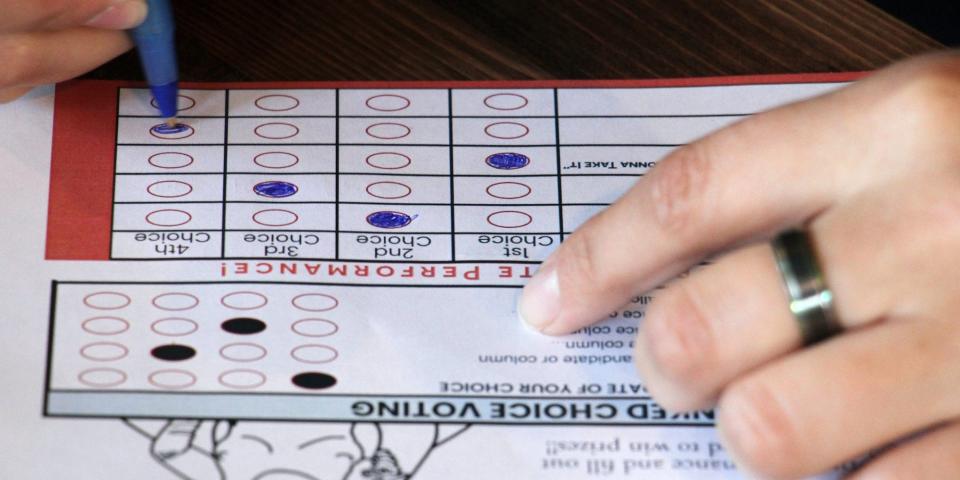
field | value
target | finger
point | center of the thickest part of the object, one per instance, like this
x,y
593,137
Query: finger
x,y
827,404
741,183
31,15
8,95
47,57
931,456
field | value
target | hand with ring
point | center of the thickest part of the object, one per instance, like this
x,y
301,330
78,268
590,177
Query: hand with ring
x,y
827,324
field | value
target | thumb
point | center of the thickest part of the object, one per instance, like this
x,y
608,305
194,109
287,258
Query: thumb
x,y
33,15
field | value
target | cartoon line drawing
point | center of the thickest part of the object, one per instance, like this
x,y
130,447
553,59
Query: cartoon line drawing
x,y
254,450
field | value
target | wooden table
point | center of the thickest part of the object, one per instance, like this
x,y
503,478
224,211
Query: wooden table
x,y
239,40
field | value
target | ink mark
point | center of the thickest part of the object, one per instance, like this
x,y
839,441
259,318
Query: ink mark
x,y
388,190
170,160
174,327
175,301
169,189
168,217
314,354
508,190
314,327
183,103
275,189
276,160
243,300
172,379
315,302
102,377
314,380
388,130
173,352
388,160
388,103
104,351
277,103
243,352
243,326
176,132
105,325
242,379
509,219
506,130
388,219
275,217
505,101
106,300
276,131
508,160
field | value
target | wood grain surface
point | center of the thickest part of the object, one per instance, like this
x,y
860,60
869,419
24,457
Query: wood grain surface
x,y
237,40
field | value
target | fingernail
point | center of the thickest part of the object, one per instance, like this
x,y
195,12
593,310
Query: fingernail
x,y
540,302
122,15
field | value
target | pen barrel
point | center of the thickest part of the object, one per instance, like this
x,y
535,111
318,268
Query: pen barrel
x,y
155,40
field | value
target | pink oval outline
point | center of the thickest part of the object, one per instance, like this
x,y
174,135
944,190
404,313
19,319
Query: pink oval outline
x,y
196,301
526,130
150,160
193,379
296,218
256,130
409,190
155,135
529,190
392,95
336,302
248,344
223,300
126,351
123,377
409,160
256,103
293,353
153,327
296,160
190,187
151,222
154,104
293,327
125,296
126,326
409,130
263,378
529,219
486,100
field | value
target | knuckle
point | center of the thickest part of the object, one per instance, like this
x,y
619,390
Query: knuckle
x,y
680,341
927,101
17,59
758,428
678,186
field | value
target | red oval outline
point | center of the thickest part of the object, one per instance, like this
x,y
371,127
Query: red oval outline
x,y
193,379
92,332
262,348
155,135
336,328
293,355
409,190
528,187
409,160
336,302
188,220
529,217
223,300
486,99
170,196
154,104
295,161
123,377
296,218
392,95
409,130
196,301
153,327
263,378
126,351
524,134
87,303
256,103
150,160
256,130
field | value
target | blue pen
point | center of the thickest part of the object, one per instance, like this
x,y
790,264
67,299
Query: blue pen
x,y
158,55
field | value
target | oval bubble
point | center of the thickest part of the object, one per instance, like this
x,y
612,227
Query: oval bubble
x,y
388,103
388,190
389,219
107,300
243,352
243,326
275,217
509,219
314,354
176,132
315,302
388,160
104,351
314,327
244,300
174,327
170,160
242,378
505,101
172,379
169,189
168,217
506,130
175,301
508,160
388,130
276,160
183,103
173,352
277,103
105,325
276,131
102,377
275,189
508,190
314,380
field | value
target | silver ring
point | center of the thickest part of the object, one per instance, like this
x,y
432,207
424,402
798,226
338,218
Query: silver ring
x,y
811,301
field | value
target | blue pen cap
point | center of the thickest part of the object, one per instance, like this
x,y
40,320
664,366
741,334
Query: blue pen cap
x,y
158,55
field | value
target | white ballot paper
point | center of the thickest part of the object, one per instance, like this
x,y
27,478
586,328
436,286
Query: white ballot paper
x,y
320,280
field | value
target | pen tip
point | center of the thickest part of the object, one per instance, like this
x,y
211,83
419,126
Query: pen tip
x,y
171,122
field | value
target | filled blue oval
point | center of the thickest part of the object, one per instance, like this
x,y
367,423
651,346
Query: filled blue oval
x,y
387,219
164,129
508,160
275,189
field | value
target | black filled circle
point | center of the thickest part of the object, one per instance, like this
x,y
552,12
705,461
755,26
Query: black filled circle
x,y
243,326
173,353
314,380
